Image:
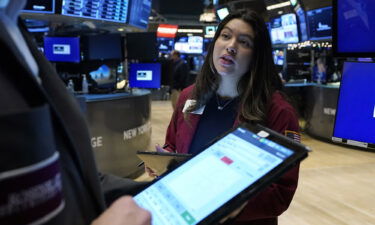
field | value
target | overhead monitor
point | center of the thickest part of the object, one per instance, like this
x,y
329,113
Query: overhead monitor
x,y
141,45
114,11
289,23
222,12
189,45
139,13
277,34
355,28
293,2
165,45
301,16
320,23
39,6
284,29
355,114
102,47
144,75
62,49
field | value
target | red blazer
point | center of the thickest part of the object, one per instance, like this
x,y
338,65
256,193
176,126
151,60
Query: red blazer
x,y
264,208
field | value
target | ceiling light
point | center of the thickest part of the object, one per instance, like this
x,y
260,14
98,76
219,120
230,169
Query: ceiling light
x,y
279,5
190,31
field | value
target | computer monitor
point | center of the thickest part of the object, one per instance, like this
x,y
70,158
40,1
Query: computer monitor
x,y
189,45
165,45
39,6
289,24
139,13
277,33
144,75
114,11
62,49
278,57
209,31
102,47
104,76
355,114
301,16
222,12
320,23
354,32
141,45
284,29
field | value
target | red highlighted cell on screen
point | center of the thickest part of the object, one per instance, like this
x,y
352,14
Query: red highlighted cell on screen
x,y
226,160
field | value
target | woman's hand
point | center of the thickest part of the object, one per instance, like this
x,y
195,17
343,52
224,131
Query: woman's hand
x,y
124,211
150,171
158,148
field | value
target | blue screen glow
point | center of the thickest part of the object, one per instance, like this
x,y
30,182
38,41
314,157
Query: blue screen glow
x,y
356,26
320,23
40,6
144,75
302,24
355,116
115,11
139,13
284,29
62,49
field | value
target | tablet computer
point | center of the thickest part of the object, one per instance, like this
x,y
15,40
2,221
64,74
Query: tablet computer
x,y
226,174
160,162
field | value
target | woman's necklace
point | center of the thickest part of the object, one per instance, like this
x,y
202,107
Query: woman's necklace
x,y
222,106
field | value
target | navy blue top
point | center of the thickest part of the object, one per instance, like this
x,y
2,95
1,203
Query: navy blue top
x,y
213,122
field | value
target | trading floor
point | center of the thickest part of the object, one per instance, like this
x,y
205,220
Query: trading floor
x,y
336,184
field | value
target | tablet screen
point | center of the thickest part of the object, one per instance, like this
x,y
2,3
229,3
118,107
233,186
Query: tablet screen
x,y
201,185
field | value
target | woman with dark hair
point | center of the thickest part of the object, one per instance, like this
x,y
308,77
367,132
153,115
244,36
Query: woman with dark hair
x,y
237,84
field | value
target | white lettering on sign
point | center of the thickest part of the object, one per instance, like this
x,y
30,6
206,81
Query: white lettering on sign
x,y
32,196
329,111
97,141
129,134
374,112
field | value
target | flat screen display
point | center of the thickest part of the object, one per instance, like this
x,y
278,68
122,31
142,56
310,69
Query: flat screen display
x,y
209,31
104,77
109,10
102,47
320,23
141,45
302,24
189,45
284,29
355,115
278,57
144,75
165,45
139,13
186,195
222,13
62,49
355,28
289,24
40,6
